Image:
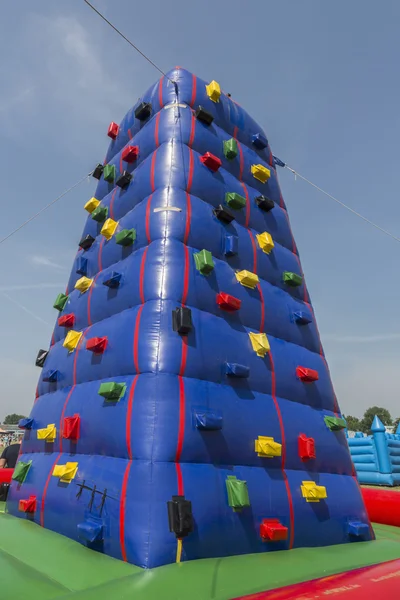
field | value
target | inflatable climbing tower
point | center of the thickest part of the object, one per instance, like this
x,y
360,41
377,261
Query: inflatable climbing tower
x,y
185,408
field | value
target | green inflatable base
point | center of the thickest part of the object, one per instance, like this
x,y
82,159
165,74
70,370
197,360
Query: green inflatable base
x,y
39,564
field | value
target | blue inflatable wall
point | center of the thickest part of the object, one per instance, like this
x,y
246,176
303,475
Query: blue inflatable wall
x,y
185,408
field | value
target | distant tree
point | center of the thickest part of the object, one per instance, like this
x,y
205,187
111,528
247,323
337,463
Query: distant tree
x,y
13,419
353,423
396,423
369,415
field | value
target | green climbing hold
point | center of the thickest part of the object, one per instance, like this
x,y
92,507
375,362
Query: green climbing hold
x,y
111,390
292,279
100,213
60,302
126,237
238,494
335,423
230,149
204,262
21,471
235,201
109,173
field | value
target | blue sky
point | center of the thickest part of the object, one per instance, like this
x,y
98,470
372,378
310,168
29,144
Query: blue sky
x,y
320,77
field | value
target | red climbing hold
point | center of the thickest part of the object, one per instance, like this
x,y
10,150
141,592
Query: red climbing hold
x,y
28,505
307,375
113,130
211,161
227,302
71,427
130,153
306,447
272,530
67,320
97,345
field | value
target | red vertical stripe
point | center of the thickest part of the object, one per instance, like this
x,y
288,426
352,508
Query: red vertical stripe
x,y
100,256
241,161
112,203
136,340
185,276
194,90
63,412
246,193
188,218
152,170
148,209
129,134
181,430
129,417
141,275
181,490
160,91
122,511
253,244
262,319
192,131
76,352
191,169
156,130
89,293
42,504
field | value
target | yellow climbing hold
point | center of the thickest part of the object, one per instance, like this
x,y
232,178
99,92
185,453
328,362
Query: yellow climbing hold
x,y
261,173
213,91
260,343
72,339
83,284
247,278
313,492
91,205
109,228
266,447
65,472
48,434
265,242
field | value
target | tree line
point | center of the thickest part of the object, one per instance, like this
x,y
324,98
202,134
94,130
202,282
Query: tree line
x,y
364,424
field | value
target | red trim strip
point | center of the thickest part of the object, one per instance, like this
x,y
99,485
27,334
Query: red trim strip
x,y
253,243
136,340
76,355
241,160
181,490
191,169
152,169
100,256
141,275
160,91
192,131
181,430
148,207
112,203
129,416
156,130
246,193
194,90
45,490
63,412
122,512
188,218
129,134
89,316
235,132
185,277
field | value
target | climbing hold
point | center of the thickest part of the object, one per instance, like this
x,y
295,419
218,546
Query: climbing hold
x,y
238,494
272,530
114,281
222,214
27,505
83,284
260,173
292,279
208,421
302,318
130,153
260,343
265,203
60,302
97,345
113,130
124,180
111,390
357,528
306,446
91,205
125,237
21,471
213,91
109,228
313,492
98,171
237,370
247,279
230,149
81,265
307,375
48,434
335,423
66,320
90,531
41,357
265,242
203,115
86,242
204,262
266,447
182,320
65,473
72,340
180,517
71,427
231,245
51,376
109,173
259,141
25,423
211,161
143,111
100,213
235,201
228,302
